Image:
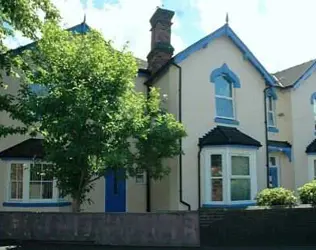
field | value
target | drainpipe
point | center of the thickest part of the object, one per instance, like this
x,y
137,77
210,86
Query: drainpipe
x,y
199,177
266,133
180,156
148,184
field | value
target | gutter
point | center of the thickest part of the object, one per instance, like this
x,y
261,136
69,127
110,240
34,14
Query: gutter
x,y
182,201
266,133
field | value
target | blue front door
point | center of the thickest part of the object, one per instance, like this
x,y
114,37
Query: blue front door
x,y
115,191
274,177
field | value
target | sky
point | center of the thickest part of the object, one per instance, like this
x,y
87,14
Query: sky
x,y
280,33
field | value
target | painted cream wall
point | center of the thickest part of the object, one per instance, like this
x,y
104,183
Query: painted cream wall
x,y
198,106
302,127
136,196
283,116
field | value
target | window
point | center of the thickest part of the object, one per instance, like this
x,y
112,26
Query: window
x,y
314,173
225,82
41,185
271,111
140,177
230,176
314,111
216,178
30,181
16,181
240,178
224,98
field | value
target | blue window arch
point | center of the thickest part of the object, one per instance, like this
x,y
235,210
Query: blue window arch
x,y
225,81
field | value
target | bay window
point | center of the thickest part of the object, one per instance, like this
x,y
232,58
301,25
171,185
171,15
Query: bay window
x,y
29,182
230,175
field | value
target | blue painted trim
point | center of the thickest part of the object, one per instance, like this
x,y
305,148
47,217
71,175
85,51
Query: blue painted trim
x,y
226,121
230,206
140,74
273,129
36,204
225,70
286,150
313,97
272,92
226,31
305,75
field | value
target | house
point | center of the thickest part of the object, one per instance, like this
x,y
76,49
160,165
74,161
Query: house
x,y
239,118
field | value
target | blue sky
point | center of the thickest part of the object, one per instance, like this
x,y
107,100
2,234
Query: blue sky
x,y
281,33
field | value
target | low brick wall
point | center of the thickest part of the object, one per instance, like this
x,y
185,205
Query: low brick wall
x,y
258,227
151,229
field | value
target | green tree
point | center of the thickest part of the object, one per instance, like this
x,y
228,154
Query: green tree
x,y
22,16
89,114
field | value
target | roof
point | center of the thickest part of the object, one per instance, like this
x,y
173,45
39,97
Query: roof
x,y
222,135
227,31
290,76
30,148
79,28
279,144
311,148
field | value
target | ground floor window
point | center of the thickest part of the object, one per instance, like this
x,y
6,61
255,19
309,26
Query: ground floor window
x,y
311,167
230,175
29,181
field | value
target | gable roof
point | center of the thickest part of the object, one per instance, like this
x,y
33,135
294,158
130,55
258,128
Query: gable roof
x,y
294,76
222,135
81,29
227,31
28,149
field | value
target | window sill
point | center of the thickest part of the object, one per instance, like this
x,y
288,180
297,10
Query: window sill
x,y
273,129
36,204
234,205
226,121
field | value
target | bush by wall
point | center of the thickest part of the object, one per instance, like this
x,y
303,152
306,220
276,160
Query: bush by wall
x,y
307,193
276,196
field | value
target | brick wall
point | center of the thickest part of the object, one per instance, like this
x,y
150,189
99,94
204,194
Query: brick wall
x,y
258,227
151,229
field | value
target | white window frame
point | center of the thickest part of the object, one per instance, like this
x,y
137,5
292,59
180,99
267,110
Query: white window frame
x,y
311,170
272,112
227,153
314,112
232,98
26,183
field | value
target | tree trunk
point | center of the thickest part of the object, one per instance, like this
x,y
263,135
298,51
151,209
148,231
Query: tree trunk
x,y
75,205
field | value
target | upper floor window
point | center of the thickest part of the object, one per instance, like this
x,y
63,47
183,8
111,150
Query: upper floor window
x,y
313,102
271,111
225,82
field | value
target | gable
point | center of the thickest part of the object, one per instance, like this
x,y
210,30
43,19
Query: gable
x,y
228,32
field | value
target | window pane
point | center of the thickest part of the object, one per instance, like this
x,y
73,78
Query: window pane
x,y
216,165
272,161
35,190
240,189
271,119
240,165
35,173
223,87
224,107
47,190
270,104
16,190
217,189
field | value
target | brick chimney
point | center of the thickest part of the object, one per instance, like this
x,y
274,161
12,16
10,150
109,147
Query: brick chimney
x,y
161,48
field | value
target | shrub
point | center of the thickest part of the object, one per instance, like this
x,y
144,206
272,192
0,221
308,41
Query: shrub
x,y
276,196
307,193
